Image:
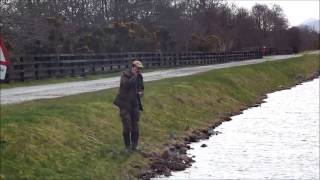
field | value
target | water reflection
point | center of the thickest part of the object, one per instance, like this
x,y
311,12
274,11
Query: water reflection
x,y
279,140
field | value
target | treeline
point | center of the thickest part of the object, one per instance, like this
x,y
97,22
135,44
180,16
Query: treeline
x,y
100,26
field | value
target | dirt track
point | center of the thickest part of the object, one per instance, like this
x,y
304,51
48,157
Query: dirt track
x,y
21,94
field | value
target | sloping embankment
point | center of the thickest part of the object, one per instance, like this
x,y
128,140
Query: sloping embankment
x,y
79,137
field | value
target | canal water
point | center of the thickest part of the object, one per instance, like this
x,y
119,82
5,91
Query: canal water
x,y
278,140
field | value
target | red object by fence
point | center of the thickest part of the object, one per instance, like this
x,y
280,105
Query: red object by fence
x,y
4,57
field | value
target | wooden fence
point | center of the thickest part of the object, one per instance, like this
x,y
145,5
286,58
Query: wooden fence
x,y
274,51
46,66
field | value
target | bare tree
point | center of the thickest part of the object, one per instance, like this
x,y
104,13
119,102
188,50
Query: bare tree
x,y
71,26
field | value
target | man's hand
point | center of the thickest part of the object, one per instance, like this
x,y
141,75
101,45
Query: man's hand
x,y
140,93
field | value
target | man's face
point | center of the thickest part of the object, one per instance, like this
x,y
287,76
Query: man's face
x,y
139,70
136,69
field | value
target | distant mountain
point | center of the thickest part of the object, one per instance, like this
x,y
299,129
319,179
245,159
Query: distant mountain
x,y
312,24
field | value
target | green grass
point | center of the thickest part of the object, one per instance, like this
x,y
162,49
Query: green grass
x,y
79,137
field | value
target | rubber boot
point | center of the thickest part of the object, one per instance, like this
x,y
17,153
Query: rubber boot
x,y
135,139
127,141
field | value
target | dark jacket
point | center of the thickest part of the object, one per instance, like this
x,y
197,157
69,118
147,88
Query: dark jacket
x,y
140,86
128,97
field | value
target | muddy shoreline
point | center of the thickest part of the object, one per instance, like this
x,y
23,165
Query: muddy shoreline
x,y
174,155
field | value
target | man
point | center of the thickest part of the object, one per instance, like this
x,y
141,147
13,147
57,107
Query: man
x,y
128,100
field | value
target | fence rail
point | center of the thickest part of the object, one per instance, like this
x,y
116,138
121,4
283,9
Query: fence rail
x,y
60,65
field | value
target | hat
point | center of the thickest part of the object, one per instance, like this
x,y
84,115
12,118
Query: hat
x,y
137,63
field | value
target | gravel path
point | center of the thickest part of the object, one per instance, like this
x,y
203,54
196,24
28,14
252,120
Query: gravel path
x,y
21,94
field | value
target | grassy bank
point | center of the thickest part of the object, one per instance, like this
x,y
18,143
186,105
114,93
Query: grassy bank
x,y
79,137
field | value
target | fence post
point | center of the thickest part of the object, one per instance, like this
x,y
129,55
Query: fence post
x,y
177,58
36,71
21,69
161,59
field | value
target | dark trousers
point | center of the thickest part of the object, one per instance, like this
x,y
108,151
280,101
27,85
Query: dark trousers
x,y
130,119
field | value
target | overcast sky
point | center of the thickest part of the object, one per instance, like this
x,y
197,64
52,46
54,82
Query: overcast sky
x,y
296,11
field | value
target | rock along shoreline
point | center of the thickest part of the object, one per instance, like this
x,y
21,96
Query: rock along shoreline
x,y
174,156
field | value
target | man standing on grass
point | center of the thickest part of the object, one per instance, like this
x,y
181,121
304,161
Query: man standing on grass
x,y
129,103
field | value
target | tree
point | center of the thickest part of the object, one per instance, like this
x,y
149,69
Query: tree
x,y
294,39
70,26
